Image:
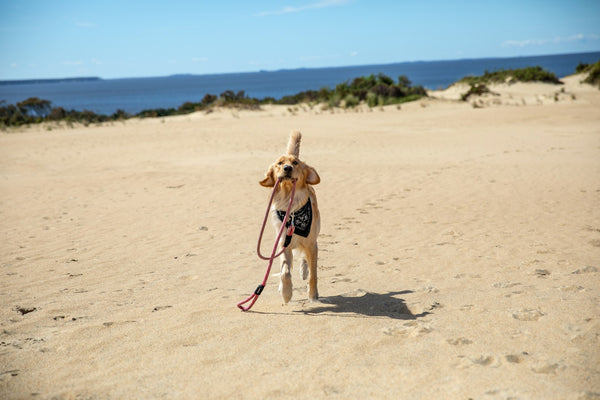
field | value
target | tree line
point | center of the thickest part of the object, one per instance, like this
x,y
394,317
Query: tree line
x,y
375,90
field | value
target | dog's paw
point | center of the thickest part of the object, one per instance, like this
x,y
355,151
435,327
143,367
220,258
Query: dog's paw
x,y
304,270
285,287
313,295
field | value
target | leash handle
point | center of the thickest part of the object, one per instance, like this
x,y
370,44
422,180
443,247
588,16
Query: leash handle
x,y
254,296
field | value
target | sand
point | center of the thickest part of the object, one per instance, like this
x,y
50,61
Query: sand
x,y
459,254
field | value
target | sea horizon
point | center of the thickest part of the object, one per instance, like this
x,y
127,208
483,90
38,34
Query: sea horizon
x,y
188,74
134,94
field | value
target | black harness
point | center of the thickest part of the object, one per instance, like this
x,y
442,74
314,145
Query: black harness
x,y
300,219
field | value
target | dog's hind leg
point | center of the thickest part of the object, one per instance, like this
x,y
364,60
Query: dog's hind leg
x,y
285,282
304,269
303,265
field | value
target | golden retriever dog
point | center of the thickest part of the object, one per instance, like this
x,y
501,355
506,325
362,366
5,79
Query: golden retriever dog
x,y
304,215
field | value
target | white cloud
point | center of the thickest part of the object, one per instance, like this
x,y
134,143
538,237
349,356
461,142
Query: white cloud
x,y
312,6
73,63
556,40
353,53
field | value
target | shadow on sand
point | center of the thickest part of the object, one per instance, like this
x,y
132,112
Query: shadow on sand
x,y
367,304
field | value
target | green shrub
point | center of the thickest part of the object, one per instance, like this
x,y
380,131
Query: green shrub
x,y
372,99
475,90
157,112
35,107
351,101
581,67
119,115
57,114
529,74
208,99
593,72
403,81
334,100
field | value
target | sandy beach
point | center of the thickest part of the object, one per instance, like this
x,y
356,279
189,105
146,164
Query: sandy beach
x,y
459,254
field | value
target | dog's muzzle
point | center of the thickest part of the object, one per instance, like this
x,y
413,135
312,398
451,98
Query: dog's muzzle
x,y
287,171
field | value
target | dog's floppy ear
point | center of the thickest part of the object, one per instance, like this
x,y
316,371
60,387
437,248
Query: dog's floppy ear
x,y
269,180
312,178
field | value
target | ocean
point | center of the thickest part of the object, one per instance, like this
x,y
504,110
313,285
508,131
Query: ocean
x,y
105,96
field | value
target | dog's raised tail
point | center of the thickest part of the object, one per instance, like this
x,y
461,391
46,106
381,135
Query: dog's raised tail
x,y
293,147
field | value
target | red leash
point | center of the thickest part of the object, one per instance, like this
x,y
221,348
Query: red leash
x,y
254,296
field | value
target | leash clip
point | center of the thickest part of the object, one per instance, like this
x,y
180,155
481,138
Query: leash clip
x,y
288,236
290,232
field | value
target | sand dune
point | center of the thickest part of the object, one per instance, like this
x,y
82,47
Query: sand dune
x,y
522,94
459,255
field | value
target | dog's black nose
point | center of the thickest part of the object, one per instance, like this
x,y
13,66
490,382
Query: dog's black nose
x,y
287,168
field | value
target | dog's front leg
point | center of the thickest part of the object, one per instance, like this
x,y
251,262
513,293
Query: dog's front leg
x,y
285,283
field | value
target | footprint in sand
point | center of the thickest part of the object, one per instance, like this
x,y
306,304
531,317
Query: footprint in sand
x,y
342,227
545,368
528,315
11,372
571,288
542,273
159,308
339,279
25,310
429,289
459,341
505,285
487,361
587,270
409,329
516,358
465,362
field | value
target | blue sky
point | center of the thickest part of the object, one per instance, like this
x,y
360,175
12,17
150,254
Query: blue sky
x,y
112,39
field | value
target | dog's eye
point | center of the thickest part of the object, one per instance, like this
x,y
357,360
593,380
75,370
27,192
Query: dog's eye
x,y
295,162
280,163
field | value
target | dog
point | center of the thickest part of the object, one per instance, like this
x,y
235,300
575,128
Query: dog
x,y
304,213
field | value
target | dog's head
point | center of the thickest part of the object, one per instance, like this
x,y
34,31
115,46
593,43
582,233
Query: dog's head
x,y
289,167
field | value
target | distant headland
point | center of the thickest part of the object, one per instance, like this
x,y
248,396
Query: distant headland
x,y
58,80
